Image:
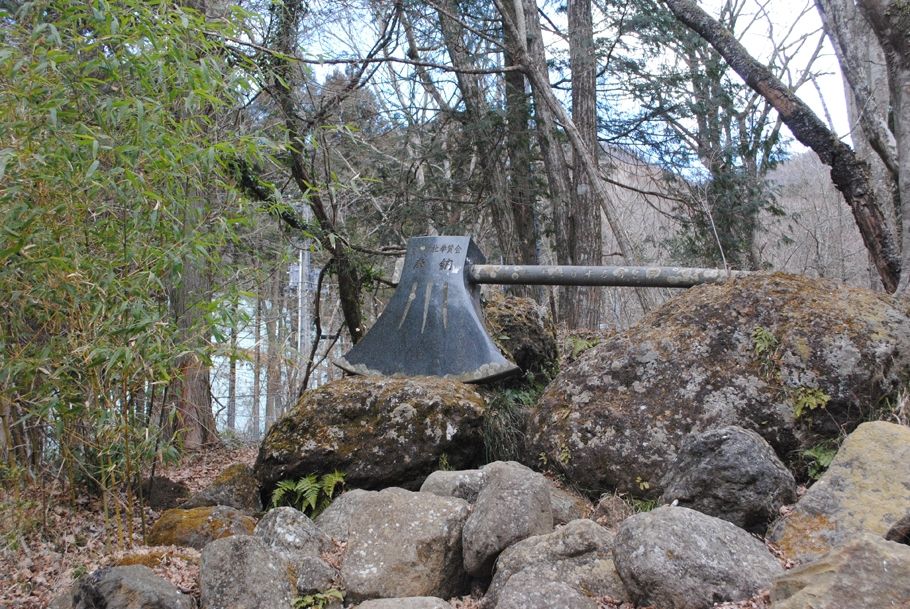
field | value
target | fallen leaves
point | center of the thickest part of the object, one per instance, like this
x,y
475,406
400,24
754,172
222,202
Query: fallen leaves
x,y
48,540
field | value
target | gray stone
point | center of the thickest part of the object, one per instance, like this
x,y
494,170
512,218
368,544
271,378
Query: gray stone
x,y
240,572
731,473
865,490
464,484
132,587
614,419
398,543
677,558
315,575
235,487
380,432
865,572
525,591
568,505
294,538
514,504
291,533
611,510
414,602
577,555
336,519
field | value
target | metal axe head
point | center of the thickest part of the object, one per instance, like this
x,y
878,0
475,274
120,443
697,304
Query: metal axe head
x,y
433,325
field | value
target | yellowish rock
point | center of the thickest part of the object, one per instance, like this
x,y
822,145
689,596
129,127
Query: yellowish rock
x,y
865,490
197,527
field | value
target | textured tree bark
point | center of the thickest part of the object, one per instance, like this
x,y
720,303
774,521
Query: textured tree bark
x,y
480,121
890,20
583,304
232,381
522,195
863,63
191,392
532,57
284,84
273,351
850,174
518,140
531,52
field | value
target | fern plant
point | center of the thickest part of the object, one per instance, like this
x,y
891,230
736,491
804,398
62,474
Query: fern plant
x,y
310,494
318,600
818,458
808,398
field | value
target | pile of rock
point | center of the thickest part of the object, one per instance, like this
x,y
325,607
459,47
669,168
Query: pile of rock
x,y
510,532
684,411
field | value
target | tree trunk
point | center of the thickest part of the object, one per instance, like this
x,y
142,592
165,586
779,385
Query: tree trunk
x,y
890,20
273,353
521,193
532,57
194,424
849,174
481,125
191,393
585,240
286,81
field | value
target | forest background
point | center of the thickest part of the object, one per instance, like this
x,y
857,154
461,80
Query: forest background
x,y
204,201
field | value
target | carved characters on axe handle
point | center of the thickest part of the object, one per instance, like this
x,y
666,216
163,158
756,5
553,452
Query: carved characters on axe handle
x,y
433,324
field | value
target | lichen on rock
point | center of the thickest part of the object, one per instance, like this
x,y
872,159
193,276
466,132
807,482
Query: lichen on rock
x,y
194,528
615,418
379,431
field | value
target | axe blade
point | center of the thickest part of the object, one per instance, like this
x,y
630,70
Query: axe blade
x,y
433,324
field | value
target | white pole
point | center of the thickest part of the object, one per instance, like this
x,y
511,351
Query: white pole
x,y
300,299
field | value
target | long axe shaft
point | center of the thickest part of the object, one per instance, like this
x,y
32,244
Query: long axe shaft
x,y
433,324
613,276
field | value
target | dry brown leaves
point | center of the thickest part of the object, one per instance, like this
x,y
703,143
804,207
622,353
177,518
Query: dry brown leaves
x,y
334,555
465,602
197,470
608,602
762,600
48,539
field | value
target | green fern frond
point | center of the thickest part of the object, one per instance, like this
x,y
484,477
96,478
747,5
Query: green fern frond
x,y
330,482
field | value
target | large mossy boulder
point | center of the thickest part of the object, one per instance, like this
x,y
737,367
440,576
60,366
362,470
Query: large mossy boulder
x,y
379,431
795,359
524,332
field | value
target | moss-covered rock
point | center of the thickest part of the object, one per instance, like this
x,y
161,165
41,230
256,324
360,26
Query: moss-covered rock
x,y
197,527
865,490
379,431
235,486
156,557
795,359
524,332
